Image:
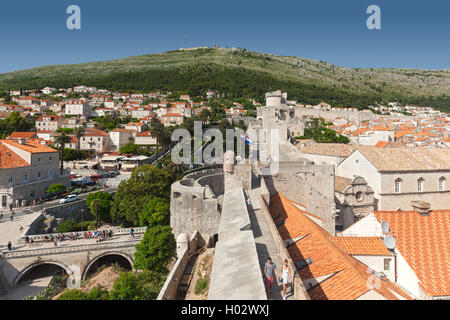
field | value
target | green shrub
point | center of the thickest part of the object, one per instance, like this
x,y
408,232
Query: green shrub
x,y
97,294
202,285
56,188
92,226
67,226
73,294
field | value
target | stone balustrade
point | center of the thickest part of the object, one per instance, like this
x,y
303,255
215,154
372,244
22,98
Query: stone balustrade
x,y
70,249
116,232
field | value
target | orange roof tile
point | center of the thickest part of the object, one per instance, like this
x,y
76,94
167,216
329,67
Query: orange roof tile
x,y
16,135
347,277
31,146
382,144
372,246
9,159
424,242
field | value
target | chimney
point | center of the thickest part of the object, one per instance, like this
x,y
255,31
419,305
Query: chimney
x,y
422,207
22,141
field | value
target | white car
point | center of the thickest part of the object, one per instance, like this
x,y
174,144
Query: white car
x,y
69,198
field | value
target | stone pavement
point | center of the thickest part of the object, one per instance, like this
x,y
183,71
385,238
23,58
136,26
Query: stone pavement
x,y
265,245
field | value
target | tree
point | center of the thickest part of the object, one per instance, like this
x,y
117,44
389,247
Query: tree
x,y
155,250
56,188
156,212
137,286
61,140
73,154
100,205
130,148
159,132
145,183
205,116
78,132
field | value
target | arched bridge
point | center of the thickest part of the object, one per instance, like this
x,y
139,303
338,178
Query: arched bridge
x,y
78,258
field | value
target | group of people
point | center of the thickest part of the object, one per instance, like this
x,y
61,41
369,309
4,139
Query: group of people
x,y
284,277
60,237
29,241
99,235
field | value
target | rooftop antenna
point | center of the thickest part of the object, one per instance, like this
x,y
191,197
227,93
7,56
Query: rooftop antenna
x,y
390,242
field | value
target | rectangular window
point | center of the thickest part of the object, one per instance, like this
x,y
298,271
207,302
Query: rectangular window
x,y
387,264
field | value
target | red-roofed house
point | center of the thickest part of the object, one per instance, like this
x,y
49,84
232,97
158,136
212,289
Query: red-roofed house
x,y
422,248
27,168
145,138
171,119
94,139
49,122
328,266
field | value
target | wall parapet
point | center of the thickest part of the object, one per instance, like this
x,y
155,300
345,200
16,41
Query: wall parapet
x,y
71,249
117,232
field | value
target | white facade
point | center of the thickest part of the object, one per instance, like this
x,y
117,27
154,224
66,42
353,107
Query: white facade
x,y
81,108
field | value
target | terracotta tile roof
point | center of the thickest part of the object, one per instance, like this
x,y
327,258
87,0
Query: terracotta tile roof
x,y
9,159
424,242
407,159
329,149
372,246
26,135
172,115
144,134
341,183
382,144
30,146
94,132
346,277
122,130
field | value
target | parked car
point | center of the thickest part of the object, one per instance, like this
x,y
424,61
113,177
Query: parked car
x,y
82,182
69,198
96,177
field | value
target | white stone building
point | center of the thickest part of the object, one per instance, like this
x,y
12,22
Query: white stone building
x,y
401,175
78,107
27,169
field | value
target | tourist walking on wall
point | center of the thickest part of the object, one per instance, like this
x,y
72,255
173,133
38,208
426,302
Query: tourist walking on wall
x,y
285,277
269,273
9,245
132,233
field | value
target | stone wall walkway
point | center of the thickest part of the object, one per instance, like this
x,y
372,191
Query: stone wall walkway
x,y
265,245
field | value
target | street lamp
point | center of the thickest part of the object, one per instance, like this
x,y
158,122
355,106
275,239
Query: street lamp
x,y
82,211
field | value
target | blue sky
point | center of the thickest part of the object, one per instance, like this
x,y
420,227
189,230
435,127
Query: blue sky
x,y
414,34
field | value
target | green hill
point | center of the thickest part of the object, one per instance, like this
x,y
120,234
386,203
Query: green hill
x,y
239,72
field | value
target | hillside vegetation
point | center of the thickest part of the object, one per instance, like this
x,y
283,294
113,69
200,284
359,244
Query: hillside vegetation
x,y
239,72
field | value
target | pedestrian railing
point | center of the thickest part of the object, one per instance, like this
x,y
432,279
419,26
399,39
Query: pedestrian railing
x,y
80,234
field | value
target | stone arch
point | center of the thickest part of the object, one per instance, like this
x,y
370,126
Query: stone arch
x,y
97,258
24,271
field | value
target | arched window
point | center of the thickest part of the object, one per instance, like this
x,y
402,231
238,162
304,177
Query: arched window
x,y
397,185
50,173
420,184
441,184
